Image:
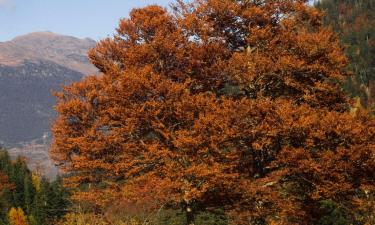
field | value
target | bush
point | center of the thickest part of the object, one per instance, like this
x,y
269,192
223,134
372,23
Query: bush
x,y
164,217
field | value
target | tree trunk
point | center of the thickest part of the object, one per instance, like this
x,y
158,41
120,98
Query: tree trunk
x,y
371,93
189,215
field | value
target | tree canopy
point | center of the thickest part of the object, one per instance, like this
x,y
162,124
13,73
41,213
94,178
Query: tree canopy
x,y
220,104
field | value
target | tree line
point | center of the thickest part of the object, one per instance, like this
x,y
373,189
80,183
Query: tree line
x,y
27,198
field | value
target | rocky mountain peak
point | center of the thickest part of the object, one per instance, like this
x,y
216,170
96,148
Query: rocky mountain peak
x,y
66,51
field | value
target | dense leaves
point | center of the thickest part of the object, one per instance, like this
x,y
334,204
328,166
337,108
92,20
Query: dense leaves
x,y
220,104
17,217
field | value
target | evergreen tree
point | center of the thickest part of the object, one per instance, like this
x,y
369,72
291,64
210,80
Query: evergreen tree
x,y
354,20
58,199
5,161
17,176
51,201
29,193
42,201
40,209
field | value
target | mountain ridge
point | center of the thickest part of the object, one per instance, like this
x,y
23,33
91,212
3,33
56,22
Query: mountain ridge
x,y
64,50
32,66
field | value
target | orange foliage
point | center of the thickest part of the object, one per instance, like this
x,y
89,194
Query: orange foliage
x,y
221,103
17,217
4,183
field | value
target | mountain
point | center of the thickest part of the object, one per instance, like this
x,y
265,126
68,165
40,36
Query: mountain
x,y
26,100
31,68
66,51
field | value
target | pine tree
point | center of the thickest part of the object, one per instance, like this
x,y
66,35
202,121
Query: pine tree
x,y
29,194
5,161
43,201
40,211
17,176
58,199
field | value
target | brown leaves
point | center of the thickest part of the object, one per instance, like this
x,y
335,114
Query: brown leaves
x,y
217,107
5,183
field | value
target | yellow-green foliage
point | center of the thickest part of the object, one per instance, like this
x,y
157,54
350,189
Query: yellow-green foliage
x,y
92,219
17,217
82,219
36,181
163,217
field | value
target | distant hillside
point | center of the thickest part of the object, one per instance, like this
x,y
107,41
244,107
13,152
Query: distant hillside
x,y
26,100
31,68
69,52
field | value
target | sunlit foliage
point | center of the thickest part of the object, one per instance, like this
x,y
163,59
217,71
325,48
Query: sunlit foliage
x,y
219,104
17,217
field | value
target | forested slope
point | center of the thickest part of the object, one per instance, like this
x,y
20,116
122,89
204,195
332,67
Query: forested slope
x,y
354,20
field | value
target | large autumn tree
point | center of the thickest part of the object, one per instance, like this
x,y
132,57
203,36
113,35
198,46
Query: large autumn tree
x,y
221,104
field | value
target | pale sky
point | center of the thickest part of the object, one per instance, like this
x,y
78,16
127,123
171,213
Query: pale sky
x,y
94,19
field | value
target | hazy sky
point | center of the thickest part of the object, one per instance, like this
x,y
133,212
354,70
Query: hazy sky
x,y
81,18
